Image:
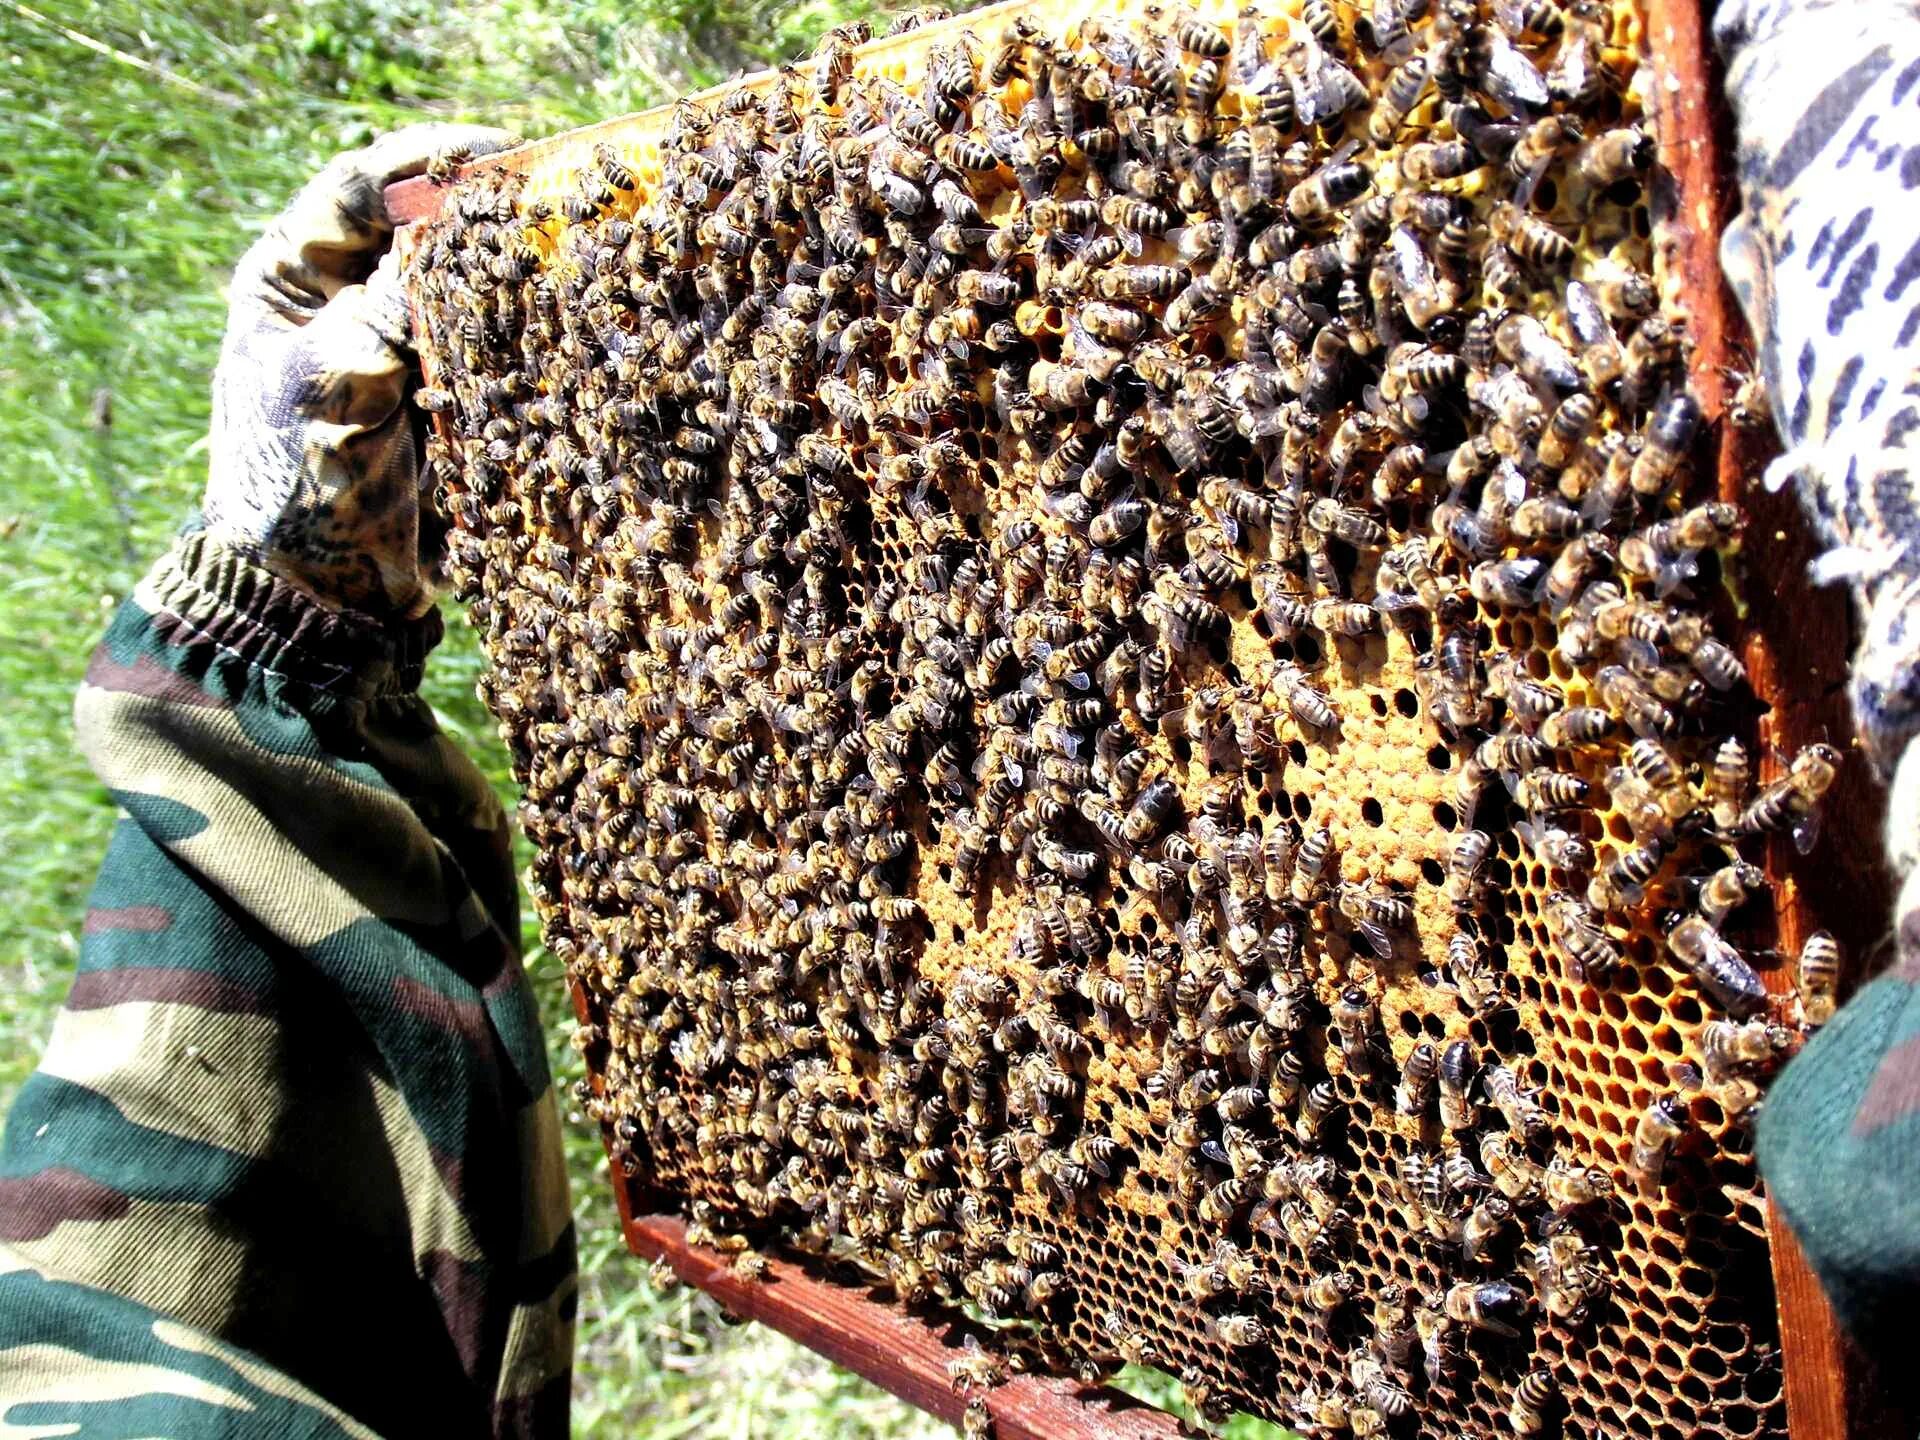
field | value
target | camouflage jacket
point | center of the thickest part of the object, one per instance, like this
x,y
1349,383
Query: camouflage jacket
x,y
291,1165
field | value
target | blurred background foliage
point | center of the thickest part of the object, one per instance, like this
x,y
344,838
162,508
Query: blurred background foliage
x,y
142,146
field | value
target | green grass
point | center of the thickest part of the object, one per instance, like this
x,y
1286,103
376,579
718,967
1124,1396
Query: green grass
x,y
141,148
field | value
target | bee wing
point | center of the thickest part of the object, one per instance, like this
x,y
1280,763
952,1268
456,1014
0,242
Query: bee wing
x,y
1573,67
1324,89
1553,362
1378,939
1512,16
1585,318
1408,265
1511,78
1671,575
1265,1219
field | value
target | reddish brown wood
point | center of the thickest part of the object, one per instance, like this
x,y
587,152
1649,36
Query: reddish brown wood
x,y
418,198
894,1349
1797,643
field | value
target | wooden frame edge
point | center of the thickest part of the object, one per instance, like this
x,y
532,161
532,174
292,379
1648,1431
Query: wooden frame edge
x,y
1798,643
895,1348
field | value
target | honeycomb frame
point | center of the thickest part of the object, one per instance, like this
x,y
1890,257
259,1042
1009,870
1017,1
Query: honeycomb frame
x,y
1699,1334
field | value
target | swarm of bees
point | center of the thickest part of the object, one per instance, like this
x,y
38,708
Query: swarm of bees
x,y
1105,647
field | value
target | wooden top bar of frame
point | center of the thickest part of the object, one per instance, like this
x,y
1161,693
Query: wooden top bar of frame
x,y
550,162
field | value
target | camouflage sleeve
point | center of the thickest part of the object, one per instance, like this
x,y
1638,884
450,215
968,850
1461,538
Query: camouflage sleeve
x,y
1826,261
291,1165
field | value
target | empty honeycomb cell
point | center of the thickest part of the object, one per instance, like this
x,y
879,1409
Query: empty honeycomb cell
x,y
1762,1387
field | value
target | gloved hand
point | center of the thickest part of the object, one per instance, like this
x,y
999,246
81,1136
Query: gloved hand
x,y
315,469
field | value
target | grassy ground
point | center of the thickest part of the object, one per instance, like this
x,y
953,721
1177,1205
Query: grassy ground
x,y
141,147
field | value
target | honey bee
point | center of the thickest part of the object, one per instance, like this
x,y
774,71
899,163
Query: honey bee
x,y
444,165
1221,1204
1623,883
1659,1128
662,1276
1398,96
1728,1047
1439,1343
1380,1390
1789,803
1197,37
1495,1306
1538,146
1489,1218
1202,299
1516,1105
1355,1019
1417,1077
1614,155
1515,583
1652,351
1321,1411
1533,1398
1514,1174
1305,703
1574,924
1569,1186
963,152
1329,1291
1545,789
1626,696
1728,780
1314,200
1348,523
1239,1332
1716,965
1545,518
1121,519
1459,1070
1471,850
1727,888
1471,971
1533,240
1817,978
1748,408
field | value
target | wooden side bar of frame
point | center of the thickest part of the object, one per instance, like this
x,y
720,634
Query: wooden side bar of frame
x,y
1797,644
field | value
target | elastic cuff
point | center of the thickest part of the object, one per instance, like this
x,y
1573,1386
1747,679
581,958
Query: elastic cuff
x,y
215,594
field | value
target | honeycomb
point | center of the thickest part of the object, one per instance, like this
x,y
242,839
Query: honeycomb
x,y
1106,631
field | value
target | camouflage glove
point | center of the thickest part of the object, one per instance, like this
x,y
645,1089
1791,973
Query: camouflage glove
x,y
315,469
1826,265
